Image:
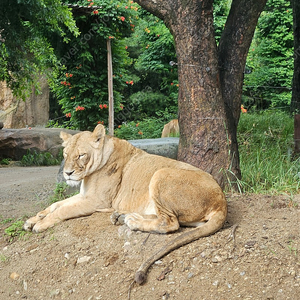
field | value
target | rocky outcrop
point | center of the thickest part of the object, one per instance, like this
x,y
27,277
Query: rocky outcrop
x,y
15,143
15,113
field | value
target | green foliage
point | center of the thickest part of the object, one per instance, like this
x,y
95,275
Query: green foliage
x,y
33,158
5,161
148,128
61,192
221,11
155,85
25,50
15,230
265,144
270,58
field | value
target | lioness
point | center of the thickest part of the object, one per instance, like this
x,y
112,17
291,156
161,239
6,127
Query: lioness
x,y
171,129
156,194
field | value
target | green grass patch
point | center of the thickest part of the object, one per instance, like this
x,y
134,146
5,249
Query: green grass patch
x,y
266,148
15,230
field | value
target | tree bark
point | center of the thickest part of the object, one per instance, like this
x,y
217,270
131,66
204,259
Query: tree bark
x,y
210,79
295,103
232,54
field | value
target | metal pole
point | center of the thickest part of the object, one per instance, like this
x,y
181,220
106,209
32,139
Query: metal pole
x,y
110,90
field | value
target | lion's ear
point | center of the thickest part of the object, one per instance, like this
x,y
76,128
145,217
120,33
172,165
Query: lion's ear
x,y
65,137
98,133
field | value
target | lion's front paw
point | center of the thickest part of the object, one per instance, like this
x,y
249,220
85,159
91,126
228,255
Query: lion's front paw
x,y
134,221
41,226
28,225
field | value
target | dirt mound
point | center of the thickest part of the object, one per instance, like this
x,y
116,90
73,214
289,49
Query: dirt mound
x,y
255,256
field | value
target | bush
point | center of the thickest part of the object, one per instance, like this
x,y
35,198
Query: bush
x,y
33,158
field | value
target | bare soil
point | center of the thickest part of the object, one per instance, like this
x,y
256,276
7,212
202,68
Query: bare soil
x,y
255,256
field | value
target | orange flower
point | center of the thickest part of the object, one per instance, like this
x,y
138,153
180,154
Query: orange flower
x,y
79,108
105,106
244,110
137,124
140,133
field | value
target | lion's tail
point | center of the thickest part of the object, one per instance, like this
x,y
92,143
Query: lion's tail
x,y
211,226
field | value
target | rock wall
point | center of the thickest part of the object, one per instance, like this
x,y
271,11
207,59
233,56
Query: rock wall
x,y
16,113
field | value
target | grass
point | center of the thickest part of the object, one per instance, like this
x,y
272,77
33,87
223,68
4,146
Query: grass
x,y
265,147
61,192
33,158
15,230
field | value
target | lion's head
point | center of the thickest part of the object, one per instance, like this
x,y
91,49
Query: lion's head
x,y
83,154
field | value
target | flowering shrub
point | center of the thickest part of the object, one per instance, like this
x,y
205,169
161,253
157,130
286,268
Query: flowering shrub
x,y
82,89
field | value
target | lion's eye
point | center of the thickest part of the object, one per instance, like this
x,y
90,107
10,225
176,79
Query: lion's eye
x,y
81,156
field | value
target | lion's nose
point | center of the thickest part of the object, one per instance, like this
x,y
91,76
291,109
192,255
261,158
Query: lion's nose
x,y
69,173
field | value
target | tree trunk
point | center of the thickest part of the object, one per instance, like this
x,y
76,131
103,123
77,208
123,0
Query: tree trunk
x,y
232,53
210,81
295,103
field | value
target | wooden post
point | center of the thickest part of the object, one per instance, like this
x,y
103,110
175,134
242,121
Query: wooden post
x,y
110,90
297,133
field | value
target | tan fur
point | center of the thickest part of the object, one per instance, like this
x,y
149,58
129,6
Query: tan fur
x,y
171,129
155,193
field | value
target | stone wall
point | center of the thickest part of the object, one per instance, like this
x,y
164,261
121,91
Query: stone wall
x,y
16,113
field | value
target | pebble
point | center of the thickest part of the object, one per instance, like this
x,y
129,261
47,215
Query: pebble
x,y
216,283
54,293
14,276
67,255
83,259
25,286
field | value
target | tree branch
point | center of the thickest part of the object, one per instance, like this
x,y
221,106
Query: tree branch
x,y
159,8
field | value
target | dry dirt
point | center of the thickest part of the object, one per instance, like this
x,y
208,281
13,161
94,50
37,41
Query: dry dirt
x,y
255,256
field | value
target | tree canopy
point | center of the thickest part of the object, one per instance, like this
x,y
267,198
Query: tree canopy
x,y
25,50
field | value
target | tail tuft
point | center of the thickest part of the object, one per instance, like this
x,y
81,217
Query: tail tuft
x,y
140,277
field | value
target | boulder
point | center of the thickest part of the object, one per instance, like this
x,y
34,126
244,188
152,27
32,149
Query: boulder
x,y
15,143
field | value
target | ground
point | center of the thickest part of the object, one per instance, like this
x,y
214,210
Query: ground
x,y
255,256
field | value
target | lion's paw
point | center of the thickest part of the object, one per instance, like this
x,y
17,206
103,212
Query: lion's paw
x,y
40,227
117,219
28,225
134,221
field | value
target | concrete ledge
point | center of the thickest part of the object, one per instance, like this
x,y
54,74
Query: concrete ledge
x,y
167,147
